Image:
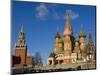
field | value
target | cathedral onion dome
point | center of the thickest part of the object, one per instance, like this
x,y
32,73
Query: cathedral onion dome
x,y
52,54
60,40
77,40
82,34
58,35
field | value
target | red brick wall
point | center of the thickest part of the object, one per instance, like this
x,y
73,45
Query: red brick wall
x,y
22,53
29,61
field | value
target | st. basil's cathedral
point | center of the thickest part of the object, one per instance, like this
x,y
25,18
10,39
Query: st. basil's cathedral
x,y
69,50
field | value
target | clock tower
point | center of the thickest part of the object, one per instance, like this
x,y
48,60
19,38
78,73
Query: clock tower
x,y
21,48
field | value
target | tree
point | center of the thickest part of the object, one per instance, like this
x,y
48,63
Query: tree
x,y
33,61
38,59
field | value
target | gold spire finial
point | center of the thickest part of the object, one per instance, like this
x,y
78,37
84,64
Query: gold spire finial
x,y
68,21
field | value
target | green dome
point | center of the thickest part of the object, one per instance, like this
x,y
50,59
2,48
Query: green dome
x,y
52,54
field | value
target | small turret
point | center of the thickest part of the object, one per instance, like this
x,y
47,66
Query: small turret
x,y
90,49
58,43
82,37
77,45
82,34
21,40
82,42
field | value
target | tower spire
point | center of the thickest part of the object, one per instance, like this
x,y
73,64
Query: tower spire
x,y
21,39
22,28
68,21
67,30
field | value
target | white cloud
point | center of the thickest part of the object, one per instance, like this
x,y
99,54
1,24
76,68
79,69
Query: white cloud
x,y
41,11
72,15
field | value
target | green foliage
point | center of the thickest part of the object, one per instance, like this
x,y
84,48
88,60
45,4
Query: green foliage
x,y
38,61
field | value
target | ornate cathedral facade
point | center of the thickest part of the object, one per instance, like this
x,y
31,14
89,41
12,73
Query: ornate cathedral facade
x,y
68,49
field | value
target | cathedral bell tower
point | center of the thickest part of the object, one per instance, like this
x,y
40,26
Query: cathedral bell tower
x,y
21,48
67,36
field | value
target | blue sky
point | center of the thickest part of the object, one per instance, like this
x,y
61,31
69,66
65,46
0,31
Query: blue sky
x,y
41,21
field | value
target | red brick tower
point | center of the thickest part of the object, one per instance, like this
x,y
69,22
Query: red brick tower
x,y
21,49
